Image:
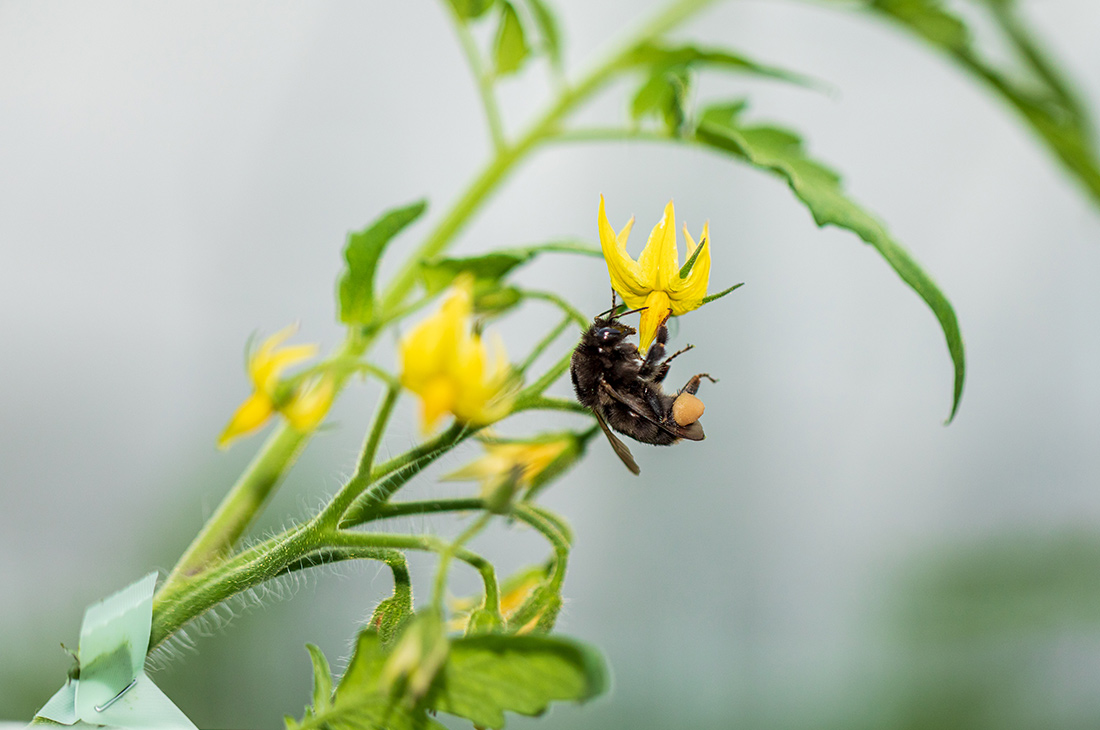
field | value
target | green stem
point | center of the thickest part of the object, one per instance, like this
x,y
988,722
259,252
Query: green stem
x,y
429,543
481,76
574,314
439,590
361,479
544,343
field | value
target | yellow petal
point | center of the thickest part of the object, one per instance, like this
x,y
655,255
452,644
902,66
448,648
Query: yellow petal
x,y
659,261
251,414
310,404
626,274
437,398
653,316
688,294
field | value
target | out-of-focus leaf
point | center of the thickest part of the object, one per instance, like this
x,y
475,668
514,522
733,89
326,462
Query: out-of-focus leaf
x,y
511,48
659,56
469,9
437,274
362,252
664,94
1012,585
1038,91
487,674
548,30
482,677
322,680
780,151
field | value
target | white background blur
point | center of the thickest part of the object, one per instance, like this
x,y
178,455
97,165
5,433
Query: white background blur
x,y
174,177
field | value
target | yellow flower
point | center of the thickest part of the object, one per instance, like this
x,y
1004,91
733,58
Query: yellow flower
x,y
654,281
509,466
305,407
450,368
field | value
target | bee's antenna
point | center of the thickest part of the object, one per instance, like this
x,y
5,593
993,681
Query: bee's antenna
x,y
632,311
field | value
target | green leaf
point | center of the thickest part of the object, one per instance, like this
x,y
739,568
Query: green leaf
x,y
660,56
1037,90
548,30
470,9
664,94
511,48
482,677
486,675
362,252
780,151
322,680
719,295
488,269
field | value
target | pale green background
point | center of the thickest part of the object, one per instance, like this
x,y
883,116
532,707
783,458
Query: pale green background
x,y
175,177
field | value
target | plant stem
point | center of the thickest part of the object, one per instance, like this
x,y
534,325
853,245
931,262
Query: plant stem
x,y
481,76
359,481
440,587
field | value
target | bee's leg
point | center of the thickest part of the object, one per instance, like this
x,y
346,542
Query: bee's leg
x,y
692,385
654,354
663,370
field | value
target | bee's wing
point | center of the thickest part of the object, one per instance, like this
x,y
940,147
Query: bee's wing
x,y
619,447
691,432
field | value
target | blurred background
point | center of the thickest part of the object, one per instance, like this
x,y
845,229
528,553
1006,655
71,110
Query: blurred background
x,y
174,178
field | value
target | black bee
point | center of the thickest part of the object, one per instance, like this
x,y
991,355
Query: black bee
x,y
623,389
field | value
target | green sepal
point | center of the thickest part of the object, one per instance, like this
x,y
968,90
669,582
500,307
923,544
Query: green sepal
x,y
542,606
511,49
687,267
362,253
470,9
780,151
322,680
719,295
484,621
391,613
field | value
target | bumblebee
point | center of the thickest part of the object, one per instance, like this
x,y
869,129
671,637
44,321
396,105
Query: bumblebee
x,y
623,389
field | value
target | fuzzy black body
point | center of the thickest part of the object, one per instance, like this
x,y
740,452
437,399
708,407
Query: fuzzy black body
x,y
624,389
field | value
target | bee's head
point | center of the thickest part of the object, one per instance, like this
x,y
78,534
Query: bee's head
x,y
610,332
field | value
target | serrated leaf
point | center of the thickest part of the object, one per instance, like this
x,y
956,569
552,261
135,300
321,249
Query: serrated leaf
x,y
322,680
488,269
489,674
548,30
483,677
780,151
470,9
1041,95
362,252
511,48
660,56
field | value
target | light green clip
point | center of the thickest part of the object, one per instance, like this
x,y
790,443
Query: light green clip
x,y
113,688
